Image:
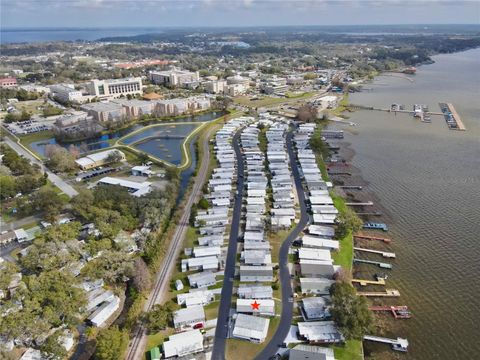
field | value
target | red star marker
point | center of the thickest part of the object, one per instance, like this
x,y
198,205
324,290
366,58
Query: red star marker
x,y
255,305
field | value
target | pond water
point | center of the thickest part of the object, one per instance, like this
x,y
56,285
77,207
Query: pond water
x,y
102,141
162,141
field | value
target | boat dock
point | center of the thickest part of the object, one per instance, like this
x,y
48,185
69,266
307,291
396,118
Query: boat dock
x,y
452,118
368,203
371,262
364,282
385,254
352,187
365,237
398,345
375,213
386,293
398,312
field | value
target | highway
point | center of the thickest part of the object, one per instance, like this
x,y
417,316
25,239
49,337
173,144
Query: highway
x,y
221,332
137,344
287,294
55,179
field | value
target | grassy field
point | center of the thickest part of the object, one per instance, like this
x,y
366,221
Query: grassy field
x,y
30,106
342,106
351,350
236,348
158,338
38,136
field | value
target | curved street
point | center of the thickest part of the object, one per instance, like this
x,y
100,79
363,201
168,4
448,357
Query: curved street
x,y
287,294
221,332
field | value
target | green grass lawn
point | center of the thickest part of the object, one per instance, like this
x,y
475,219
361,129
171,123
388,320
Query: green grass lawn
x,y
344,256
351,350
211,310
157,339
30,106
248,350
38,136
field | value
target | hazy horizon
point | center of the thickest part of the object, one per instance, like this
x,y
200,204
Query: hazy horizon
x,y
234,13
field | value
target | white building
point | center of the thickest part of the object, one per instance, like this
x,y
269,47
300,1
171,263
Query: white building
x,y
320,332
252,328
189,317
98,159
189,342
173,77
135,188
103,313
115,87
256,306
305,352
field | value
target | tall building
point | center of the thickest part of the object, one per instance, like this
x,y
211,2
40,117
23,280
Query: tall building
x,y
173,77
115,87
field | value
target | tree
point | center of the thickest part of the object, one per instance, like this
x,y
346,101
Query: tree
x,y
59,159
62,232
141,277
159,317
111,344
307,113
49,202
350,312
113,266
203,204
348,221
8,187
114,157
52,348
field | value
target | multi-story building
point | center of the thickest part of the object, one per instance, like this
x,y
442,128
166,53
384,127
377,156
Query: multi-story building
x,y
115,87
8,82
66,93
216,86
175,107
135,108
173,77
105,111
78,123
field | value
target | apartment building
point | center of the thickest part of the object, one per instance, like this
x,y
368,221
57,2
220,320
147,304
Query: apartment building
x,y
115,87
173,77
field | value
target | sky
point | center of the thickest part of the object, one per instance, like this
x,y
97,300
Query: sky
x,y
192,13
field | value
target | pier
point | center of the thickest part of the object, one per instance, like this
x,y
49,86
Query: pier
x,y
364,282
386,293
368,203
375,213
452,118
365,237
352,187
385,254
398,312
371,262
398,345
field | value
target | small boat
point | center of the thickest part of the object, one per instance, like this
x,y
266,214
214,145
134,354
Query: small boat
x,y
375,226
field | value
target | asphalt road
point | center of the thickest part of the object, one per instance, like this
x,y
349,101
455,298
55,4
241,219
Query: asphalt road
x,y
287,294
138,340
55,179
221,332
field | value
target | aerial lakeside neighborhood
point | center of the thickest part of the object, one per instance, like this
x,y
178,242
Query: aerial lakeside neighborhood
x,y
187,200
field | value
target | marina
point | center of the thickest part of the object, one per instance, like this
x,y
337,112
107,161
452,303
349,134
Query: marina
x,y
452,118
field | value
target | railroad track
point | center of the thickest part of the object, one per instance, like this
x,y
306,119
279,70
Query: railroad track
x,y
135,349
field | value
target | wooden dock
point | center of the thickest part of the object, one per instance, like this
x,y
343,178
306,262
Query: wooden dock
x,y
460,125
366,237
368,203
386,293
371,262
364,282
385,254
398,312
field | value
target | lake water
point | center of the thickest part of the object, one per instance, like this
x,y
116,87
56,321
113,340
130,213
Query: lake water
x,y
101,141
427,178
162,141
61,34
